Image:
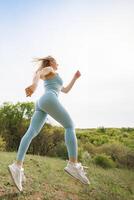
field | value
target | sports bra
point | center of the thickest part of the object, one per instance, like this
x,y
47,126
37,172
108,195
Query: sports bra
x,y
53,84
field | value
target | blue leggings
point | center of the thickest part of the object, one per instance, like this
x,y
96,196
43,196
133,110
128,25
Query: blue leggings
x,y
49,103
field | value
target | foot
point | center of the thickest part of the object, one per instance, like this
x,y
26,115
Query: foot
x,y
22,171
23,175
76,170
17,175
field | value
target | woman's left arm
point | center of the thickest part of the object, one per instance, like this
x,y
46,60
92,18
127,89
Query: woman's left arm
x,y
70,85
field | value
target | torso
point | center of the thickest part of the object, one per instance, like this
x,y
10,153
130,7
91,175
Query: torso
x,y
53,84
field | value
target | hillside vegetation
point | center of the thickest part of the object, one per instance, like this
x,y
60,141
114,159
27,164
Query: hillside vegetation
x,y
108,152
46,180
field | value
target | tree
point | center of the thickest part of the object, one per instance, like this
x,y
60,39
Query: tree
x,y
14,120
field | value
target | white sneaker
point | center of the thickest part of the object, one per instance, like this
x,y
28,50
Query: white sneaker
x,y
76,170
16,175
23,175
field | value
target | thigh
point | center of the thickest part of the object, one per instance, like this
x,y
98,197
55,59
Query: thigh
x,y
38,118
51,105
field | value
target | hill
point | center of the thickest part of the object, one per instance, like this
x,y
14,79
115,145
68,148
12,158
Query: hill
x,y
46,180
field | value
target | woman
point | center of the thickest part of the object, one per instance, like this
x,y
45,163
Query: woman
x,y
49,103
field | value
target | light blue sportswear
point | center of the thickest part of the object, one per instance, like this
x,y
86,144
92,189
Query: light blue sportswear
x,y
49,103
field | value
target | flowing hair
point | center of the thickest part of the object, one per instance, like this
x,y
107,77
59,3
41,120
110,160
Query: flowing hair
x,y
45,62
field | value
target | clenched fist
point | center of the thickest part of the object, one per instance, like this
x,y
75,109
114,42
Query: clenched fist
x,y
77,74
30,90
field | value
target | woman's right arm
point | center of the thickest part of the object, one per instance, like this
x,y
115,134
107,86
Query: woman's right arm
x,y
39,74
36,78
31,89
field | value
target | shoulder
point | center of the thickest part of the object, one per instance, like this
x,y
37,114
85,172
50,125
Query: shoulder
x,y
47,70
47,73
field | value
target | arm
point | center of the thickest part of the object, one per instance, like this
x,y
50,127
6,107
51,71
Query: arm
x,y
70,85
39,74
31,89
36,78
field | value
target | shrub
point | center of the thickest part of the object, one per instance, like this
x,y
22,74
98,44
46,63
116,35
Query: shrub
x,y
60,150
125,134
80,152
2,144
101,129
119,153
127,160
115,150
104,161
86,157
128,129
130,159
90,148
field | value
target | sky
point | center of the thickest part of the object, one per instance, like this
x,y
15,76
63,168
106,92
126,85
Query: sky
x,y
95,37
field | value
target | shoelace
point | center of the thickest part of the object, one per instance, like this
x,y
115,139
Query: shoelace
x,y
23,176
22,173
81,167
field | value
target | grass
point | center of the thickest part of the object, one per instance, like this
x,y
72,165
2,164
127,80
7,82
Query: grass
x,y
46,180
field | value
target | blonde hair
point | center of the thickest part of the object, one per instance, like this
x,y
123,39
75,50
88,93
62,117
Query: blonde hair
x,y
45,62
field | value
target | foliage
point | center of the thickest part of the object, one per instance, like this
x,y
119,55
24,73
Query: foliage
x,y
104,161
47,180
14,121
114,142
2,144
119,153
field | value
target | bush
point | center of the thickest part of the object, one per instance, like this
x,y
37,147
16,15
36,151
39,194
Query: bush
x,y
101,129
104,161
80,152
58,151
86,157
89,147
61,150
2,144
115,150
128,129
130,159
125,134
127,160
119,153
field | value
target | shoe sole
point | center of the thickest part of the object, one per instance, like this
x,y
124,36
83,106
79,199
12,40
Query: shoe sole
x,y
76,178
13,179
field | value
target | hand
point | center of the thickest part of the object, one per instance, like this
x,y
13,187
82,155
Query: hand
x,y
77,74
30,90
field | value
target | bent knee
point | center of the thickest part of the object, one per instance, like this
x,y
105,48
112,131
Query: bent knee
x,y
70,126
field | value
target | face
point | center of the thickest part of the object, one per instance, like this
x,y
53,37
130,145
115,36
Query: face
x,y
54,64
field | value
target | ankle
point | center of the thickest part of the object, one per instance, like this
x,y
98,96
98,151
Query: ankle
x,y
73,163
20,165
73,160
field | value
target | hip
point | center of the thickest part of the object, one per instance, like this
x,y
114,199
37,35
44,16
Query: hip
x,y
49,96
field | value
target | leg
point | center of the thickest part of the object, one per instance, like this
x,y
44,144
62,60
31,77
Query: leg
x,y
36,123
55,109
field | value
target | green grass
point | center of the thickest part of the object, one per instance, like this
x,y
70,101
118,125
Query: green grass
x,y
46,180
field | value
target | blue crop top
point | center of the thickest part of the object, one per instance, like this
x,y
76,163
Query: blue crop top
x,y
54,84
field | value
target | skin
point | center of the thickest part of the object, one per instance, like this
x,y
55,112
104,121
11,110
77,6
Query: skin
x,y
31,89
